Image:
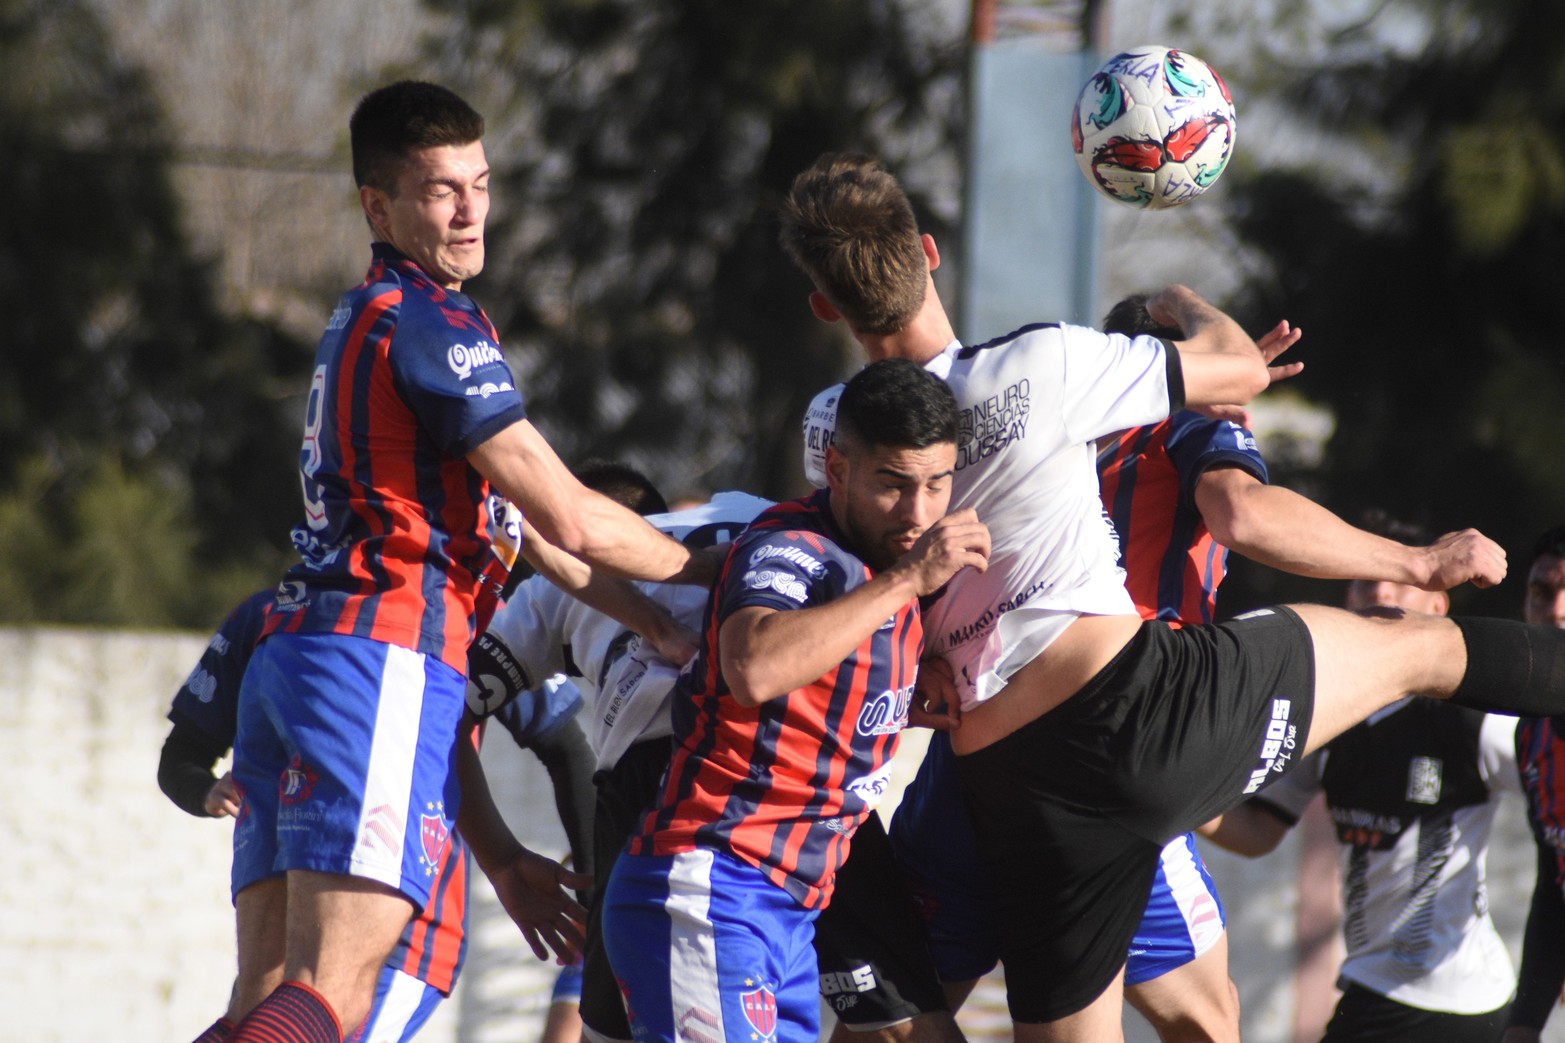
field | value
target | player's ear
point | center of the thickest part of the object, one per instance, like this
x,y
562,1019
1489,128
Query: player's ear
x,y
836,469
931,251
376,205
823,309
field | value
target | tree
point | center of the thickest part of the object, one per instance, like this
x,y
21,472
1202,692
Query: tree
x,y
1427,294
641,147
128,403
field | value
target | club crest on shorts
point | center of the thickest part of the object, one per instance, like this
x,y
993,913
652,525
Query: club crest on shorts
x,y
760,1010
297,783
434,835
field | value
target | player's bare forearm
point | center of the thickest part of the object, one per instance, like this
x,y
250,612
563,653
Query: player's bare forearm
x,y
1289,532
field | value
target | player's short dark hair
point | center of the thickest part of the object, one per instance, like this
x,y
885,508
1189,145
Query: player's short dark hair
x,y
1131,318
849,226
896,403
623,484
392,121
1383,523
1551,543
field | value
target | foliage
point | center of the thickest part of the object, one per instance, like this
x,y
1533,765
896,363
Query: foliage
x,y
130,410
1429,300
641,147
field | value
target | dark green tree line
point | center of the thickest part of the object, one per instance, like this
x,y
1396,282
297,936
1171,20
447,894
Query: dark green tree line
x,y
1430,311
642,146
146,440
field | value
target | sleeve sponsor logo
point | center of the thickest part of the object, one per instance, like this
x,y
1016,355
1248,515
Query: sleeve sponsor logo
x,y
794,556
784,583
201,684
464,360
488,388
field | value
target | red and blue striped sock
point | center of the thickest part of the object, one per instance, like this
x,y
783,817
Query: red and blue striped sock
x,y
293,1013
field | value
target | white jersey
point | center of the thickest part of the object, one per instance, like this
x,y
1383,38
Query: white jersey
x,y
1416,913
1033,405
625,683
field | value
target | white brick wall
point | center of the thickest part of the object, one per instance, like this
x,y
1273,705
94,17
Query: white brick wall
x,y
117,923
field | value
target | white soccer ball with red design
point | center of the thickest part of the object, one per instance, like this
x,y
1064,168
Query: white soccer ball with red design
x,y
1153,128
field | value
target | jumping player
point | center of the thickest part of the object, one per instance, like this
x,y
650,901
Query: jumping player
x,y
1089,737
785,724
352,700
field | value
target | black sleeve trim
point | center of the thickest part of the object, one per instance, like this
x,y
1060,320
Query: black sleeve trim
x,y
1176,378
185,768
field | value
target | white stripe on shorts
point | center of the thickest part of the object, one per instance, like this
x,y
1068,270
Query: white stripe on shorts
x,y
697,1001
1190,893
402,1000
388,783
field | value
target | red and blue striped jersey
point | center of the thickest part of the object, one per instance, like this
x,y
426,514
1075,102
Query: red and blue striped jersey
x,y
1147,478
434,943
1540,759
409,378
782,786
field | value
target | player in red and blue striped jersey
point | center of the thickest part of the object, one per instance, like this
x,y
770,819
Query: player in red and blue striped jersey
x,y
785,724
424,964
353,698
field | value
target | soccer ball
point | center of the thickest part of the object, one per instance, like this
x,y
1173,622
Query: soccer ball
x,y
1153,128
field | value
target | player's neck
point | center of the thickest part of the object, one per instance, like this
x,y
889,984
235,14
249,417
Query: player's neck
x,y
927,335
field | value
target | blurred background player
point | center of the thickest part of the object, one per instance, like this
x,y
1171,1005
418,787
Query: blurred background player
x,y
1413,793
1540,755
423,967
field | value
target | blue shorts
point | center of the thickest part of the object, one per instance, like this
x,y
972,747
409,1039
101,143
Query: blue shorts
x,y
402,1005
567,984
934,843
346,757
704,946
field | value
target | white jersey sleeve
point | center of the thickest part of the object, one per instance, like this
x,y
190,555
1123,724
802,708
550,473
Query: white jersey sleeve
x,y
1497,754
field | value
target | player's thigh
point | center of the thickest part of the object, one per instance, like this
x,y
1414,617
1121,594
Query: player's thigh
x,y
1101,1021
705,945
1365,663
402,1005
873,953
341,929
260,920
1195,1002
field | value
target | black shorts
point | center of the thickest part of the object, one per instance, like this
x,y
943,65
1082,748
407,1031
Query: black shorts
x,y
875,964
1363,1016
1072,809
625,793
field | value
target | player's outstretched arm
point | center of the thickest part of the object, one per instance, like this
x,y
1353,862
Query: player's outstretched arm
x,y
1249,829
1222,366
577,520
530,887
619,599
766,653
1284,530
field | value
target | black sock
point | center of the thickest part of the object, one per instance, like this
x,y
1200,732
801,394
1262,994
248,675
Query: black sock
x,y
1512,668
